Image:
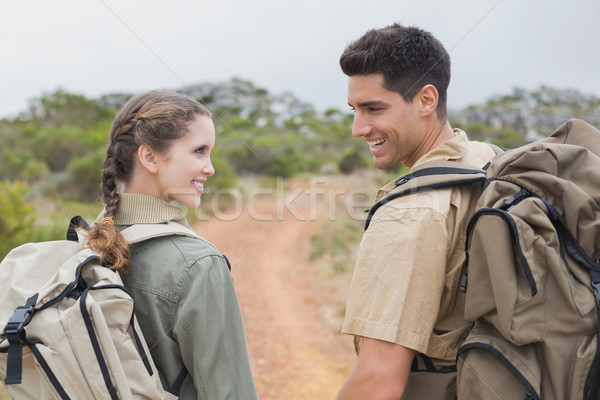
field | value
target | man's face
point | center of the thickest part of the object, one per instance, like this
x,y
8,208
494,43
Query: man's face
x,y
388,123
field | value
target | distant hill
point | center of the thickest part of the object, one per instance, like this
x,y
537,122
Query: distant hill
x,y
59,143
526,114
532,114
243,98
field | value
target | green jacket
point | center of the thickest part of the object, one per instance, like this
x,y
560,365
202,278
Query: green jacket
x,y
187,308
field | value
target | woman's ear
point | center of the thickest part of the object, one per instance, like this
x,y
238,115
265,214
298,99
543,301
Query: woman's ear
x,y
428,96
148,159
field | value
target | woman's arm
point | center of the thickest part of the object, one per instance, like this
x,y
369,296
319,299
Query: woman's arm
x,y
211,335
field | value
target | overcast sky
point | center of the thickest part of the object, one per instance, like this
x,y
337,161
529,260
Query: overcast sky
x,y
95,47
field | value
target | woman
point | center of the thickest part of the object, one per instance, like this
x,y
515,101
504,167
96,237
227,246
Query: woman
x,y
185,302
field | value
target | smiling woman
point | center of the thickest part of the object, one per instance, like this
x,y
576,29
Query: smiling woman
x,y
180,173
185,302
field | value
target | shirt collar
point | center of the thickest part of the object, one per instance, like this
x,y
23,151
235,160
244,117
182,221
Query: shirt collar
x,y
452,149
135,208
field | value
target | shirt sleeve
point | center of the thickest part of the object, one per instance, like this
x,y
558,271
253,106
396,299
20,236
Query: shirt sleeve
x,y
399,274
210,333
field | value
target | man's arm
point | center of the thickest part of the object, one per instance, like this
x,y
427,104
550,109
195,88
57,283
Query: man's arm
x,y
380,373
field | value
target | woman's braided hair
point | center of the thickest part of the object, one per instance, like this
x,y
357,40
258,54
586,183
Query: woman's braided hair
x,y
155,119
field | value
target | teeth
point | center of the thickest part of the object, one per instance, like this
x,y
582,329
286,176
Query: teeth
x,y
375,142
199,185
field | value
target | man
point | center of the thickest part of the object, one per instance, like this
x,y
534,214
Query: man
x,y
404,299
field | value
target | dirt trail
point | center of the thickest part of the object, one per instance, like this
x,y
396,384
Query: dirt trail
x,y
292,318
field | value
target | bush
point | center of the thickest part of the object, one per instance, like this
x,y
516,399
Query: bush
x,y
224,177
84,176
350,162
35,171
16,216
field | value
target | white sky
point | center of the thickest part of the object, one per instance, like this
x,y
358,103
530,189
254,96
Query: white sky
x,y
95,47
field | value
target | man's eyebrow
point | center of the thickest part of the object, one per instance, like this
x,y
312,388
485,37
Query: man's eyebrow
x,y
370,103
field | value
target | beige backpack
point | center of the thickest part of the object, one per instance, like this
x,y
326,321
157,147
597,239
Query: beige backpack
x,y
533,292
67,324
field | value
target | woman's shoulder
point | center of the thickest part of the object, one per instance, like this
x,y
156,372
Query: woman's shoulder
x,y
161,264
193,247
175,247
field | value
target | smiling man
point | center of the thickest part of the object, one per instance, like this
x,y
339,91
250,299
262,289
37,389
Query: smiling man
x,y
405,308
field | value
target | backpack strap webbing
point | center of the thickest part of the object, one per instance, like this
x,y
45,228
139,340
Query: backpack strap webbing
x,y
15,328
75,223
178,382
139,232
422,362
15,334
430,176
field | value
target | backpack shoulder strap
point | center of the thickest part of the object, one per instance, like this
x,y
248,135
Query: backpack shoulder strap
x,y
140,232
430,176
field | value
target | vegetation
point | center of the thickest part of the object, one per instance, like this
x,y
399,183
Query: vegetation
x,y
335,243
58,144
54,150
16,216
505,137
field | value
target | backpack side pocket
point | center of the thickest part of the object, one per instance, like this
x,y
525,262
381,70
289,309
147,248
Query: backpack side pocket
x,y
489,367
506,287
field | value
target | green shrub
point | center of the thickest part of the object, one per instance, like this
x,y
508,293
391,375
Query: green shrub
x,y
84,176
350,162
35,171
225,176
335,242
16,216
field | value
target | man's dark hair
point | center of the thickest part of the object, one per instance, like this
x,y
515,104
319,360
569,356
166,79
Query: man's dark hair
x,y
408,57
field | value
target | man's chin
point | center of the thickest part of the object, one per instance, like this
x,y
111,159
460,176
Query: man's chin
x,y
381,163
386,164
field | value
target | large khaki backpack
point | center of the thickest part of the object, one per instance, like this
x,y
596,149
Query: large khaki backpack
x,y
533,248
532,273
67,324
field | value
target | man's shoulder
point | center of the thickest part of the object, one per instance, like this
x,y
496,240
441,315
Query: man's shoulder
x,y
459,149
477,153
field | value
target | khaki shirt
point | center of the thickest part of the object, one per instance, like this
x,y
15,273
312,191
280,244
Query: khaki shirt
x,y
405,287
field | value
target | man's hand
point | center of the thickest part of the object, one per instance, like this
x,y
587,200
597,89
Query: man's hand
x,y
381,372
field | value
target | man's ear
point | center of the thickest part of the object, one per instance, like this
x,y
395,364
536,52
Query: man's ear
x,y
148,159
428,96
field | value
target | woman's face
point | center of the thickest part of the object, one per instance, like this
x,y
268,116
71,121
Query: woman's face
x,y
183,170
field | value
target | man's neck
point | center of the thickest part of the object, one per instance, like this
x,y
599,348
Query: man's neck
x,y
437,132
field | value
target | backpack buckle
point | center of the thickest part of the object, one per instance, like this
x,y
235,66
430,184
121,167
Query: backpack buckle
x,y
19,319
513,201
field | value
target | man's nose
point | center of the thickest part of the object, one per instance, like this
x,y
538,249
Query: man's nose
x,y
361,126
